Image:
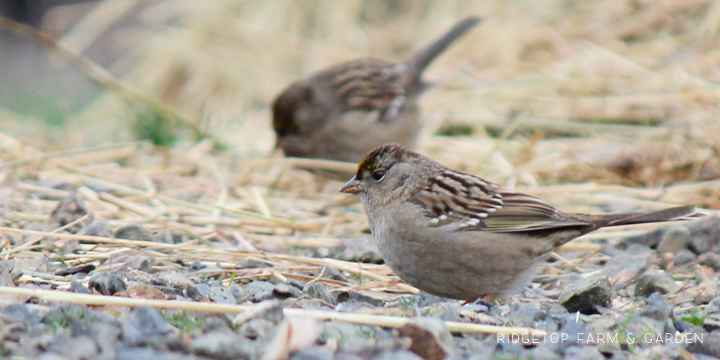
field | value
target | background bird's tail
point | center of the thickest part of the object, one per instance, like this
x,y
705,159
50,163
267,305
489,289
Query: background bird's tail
x,y
424,57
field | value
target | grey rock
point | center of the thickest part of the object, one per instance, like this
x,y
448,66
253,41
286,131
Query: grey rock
x,y
711,260
107,283
711,325
684,257
544,353
18,313
347,296
284,290
76,319
314,353
658,307
106,335
512,351
713,306
424,299
640,326
397,355
145,353
674,240
257,328
571,333
68,210
141,262
134,232
196,266
82,268
80,347
171,279
332,273
655,281
650,240
704,298
358,250
221,294
142,323
69,246
251,264
352,306
258,291
224,346
217,322
346,335
320,291
623,268
78,287
685,326
706,344
202,290
430,338
8,273
164,236
297,283
98,228
52,356
526,314
705,234
305,303
587,295
699,356
583,353
271,311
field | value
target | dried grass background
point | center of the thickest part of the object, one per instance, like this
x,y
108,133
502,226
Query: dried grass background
x,y
593,106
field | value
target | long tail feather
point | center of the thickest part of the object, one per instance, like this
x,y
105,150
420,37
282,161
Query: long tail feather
x,y
424,57
671,214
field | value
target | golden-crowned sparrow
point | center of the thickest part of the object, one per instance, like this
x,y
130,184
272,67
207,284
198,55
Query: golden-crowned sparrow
x,y
345,111
456,235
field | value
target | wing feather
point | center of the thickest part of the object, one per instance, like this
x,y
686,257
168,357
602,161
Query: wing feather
x,y
472,204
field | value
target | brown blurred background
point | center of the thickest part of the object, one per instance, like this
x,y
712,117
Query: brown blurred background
x,y
617,91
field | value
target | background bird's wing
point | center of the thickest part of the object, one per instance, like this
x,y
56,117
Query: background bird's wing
x,y
368,84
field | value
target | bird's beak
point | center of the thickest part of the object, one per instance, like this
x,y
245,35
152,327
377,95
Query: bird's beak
x,y
353,186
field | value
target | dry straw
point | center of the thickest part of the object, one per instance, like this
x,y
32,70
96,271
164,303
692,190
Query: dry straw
x,y
593,106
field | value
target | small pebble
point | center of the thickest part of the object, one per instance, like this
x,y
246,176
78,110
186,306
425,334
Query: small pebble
x,y
82,268
654,280
674,240
68,210
318,290
258,291
711,260
658,307
171,279
98,228
224,345
705,234
430,338
134,232
587,295
107,283
684,257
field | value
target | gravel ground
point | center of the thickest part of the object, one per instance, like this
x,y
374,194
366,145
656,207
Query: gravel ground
x,y
649,296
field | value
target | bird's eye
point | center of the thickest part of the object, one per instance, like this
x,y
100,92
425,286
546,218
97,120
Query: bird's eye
x,y
378,175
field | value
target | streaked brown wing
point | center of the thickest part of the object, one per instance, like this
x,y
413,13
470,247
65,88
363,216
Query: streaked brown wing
x,y
477,205
369,84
